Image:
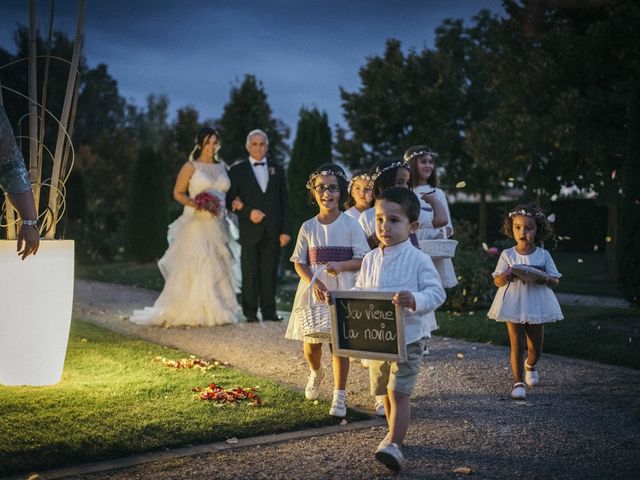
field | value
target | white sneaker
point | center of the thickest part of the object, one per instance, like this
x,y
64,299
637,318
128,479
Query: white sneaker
x,y
338,405
312,390
531,377
390,455
518,392
384,442
380,406
425,350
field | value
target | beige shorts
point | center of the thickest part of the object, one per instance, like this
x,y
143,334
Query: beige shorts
x,y
399,377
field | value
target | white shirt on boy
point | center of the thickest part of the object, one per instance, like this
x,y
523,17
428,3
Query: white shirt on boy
x,y
404,267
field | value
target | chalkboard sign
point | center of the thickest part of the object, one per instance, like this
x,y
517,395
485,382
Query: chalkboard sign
x,y
367,325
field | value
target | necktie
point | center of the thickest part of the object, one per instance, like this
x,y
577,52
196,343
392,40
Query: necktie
x,y
258,164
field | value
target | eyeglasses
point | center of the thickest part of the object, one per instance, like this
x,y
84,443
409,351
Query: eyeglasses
x,y
323,188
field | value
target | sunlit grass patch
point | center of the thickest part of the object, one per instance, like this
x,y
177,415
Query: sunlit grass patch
x,y
116,399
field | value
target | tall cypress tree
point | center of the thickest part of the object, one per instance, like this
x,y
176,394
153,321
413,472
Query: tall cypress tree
x,y
311,148
146,222
248,109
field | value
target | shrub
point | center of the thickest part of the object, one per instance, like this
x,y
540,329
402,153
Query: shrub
x,y
146,222
473,267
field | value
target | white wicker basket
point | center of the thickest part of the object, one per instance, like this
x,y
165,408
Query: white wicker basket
x,y
439,248
315,317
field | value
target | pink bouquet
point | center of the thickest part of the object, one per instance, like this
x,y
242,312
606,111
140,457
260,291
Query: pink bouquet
x,y
209,202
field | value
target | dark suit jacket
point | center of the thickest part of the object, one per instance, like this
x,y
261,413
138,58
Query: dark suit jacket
x,y
273,202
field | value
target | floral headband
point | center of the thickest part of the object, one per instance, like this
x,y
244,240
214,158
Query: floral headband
x,y
419,153
526,213
364,177
378,172
324,173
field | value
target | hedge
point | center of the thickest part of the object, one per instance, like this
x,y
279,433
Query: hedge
x,y
581,223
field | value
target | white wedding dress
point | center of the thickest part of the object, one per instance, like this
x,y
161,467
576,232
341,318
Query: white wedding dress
x,y
199,287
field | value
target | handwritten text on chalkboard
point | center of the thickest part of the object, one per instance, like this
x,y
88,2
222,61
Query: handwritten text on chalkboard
x,y
367,325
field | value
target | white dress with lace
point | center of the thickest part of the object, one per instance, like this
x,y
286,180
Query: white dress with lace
x,y
197,266
444,266
526,302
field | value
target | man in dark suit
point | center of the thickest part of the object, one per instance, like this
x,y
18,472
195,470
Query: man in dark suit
x,y
262,187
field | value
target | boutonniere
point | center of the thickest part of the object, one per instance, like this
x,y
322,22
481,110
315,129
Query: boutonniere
x,y
272,171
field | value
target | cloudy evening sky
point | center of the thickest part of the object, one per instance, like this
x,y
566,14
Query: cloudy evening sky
x,y
303,51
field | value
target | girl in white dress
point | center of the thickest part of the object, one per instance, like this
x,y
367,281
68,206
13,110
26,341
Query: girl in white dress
x,y
334,243
396,173
360,195
199,283
525,306
424,180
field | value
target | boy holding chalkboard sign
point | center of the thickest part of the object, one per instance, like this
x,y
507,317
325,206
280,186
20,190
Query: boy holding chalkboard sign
x,y
397,266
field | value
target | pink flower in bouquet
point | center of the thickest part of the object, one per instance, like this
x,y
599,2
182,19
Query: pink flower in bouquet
x,y
209,202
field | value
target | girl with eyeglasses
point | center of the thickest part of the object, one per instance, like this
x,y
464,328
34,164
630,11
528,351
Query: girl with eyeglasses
x,y
333,244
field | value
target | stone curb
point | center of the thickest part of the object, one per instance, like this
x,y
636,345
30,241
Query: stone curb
x,y
172,454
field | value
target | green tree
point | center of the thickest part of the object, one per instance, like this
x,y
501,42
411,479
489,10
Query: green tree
x,y
564,87
146,218
378,114
246,110
184,131
463,98
311,148
100,106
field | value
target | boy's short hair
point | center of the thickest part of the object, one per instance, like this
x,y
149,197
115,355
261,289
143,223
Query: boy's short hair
x,y
405,198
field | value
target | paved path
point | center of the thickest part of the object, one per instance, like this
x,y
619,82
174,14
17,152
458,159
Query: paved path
x,y
591,300
583,421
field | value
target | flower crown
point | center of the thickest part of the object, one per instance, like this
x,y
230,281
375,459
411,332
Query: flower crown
x,y
526,213
379,172
364,177
323,173
419,153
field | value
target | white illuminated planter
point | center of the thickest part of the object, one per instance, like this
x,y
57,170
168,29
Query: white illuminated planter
x,y
36,298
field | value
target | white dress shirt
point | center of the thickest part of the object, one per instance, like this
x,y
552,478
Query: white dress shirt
x,y
404,267
261,172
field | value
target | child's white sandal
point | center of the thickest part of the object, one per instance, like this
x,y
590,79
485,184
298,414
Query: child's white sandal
x,y
531,377
519,392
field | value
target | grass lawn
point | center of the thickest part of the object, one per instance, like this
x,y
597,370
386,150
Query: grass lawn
x,y
144,275
585,273
116,400
607,335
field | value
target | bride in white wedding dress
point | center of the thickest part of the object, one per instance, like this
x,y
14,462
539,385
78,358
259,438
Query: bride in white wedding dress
x,y
199,287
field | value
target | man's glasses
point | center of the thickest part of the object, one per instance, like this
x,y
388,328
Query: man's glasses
x,y
323,188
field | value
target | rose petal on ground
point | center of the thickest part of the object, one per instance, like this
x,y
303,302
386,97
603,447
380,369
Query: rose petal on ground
x,y
462,470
